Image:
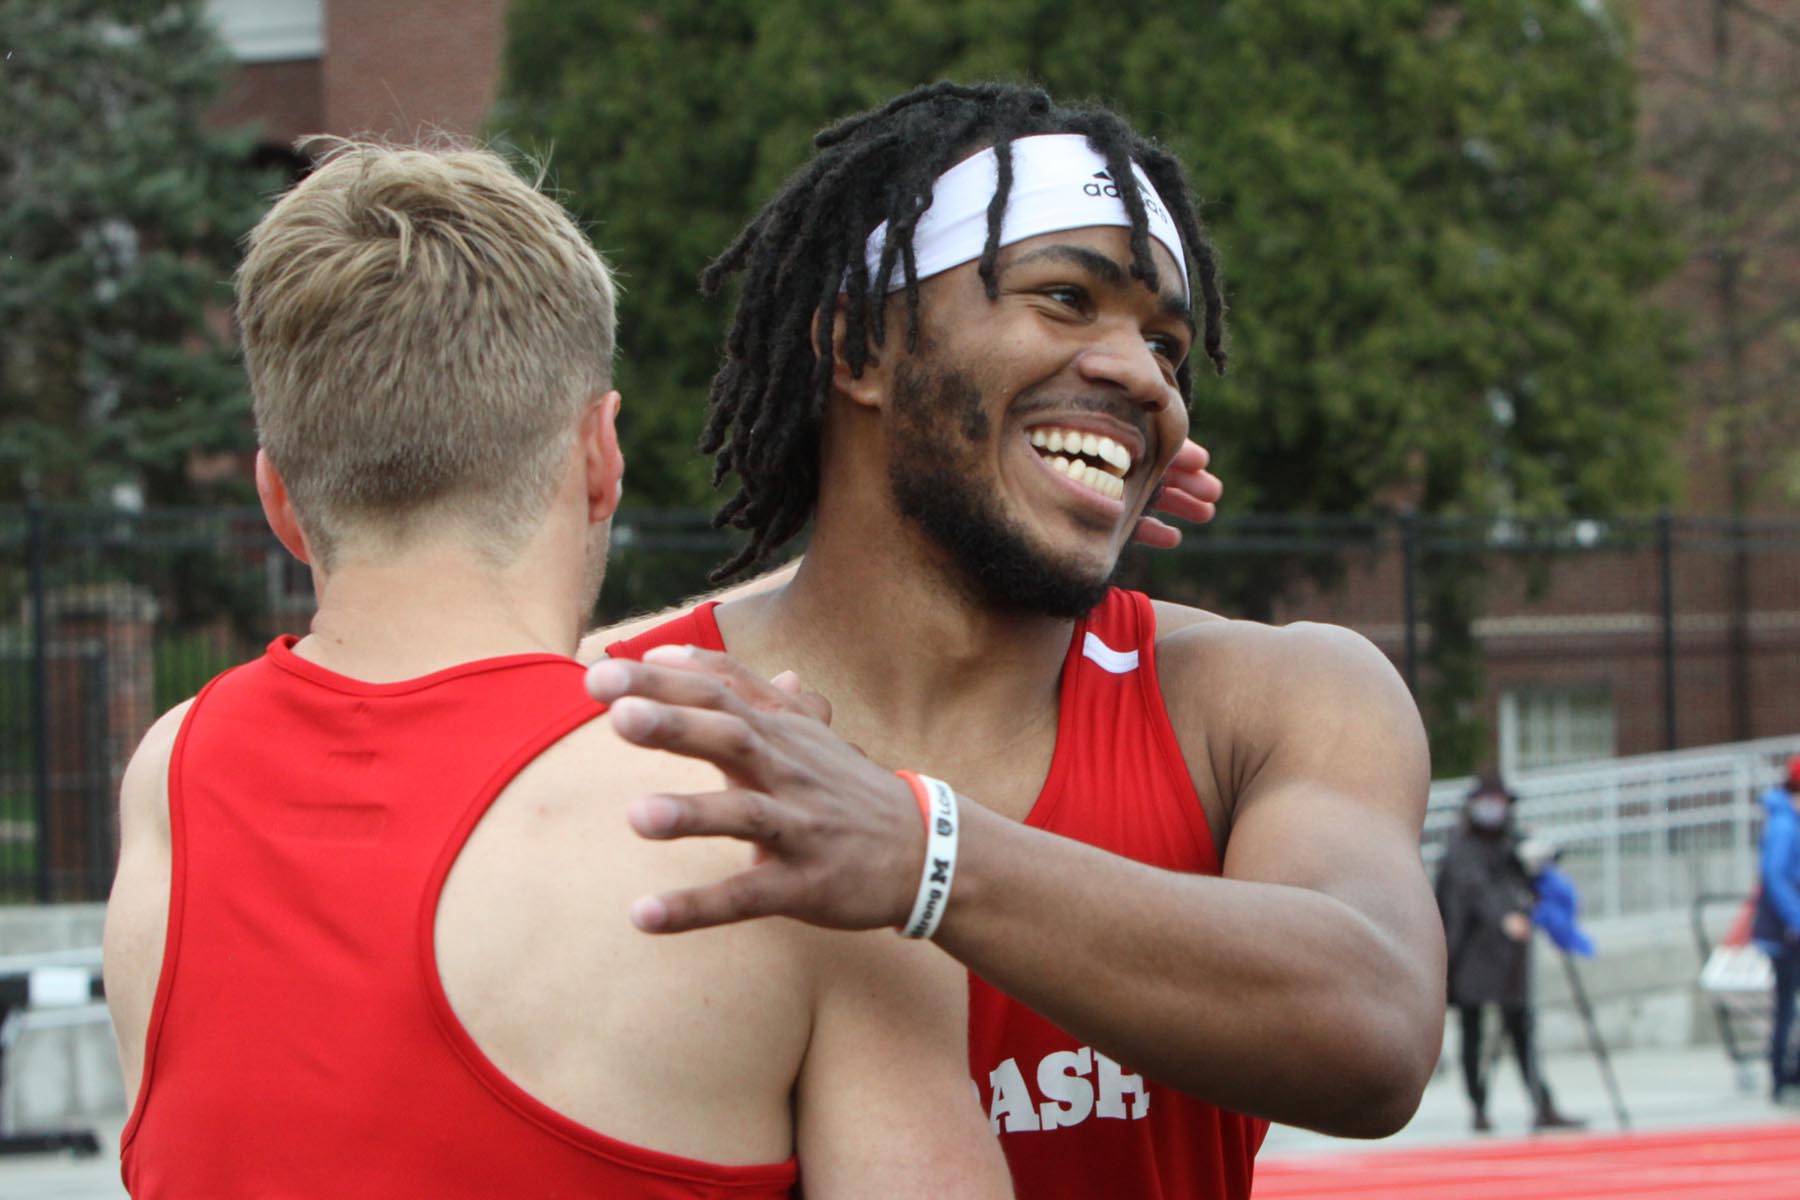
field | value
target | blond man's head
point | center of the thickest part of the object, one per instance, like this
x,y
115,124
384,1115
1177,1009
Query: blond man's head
x,y
424,330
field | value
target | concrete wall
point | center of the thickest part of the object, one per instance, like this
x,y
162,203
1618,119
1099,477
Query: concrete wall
x,y
1640,982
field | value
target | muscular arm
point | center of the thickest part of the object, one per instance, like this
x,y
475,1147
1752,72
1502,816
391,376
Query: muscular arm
x,y
883,1107
137,913
1305,985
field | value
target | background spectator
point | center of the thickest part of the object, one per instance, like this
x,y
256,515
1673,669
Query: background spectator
x,y
1485,895
1777,928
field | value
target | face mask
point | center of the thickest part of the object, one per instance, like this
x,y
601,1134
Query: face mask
x,y
1487,812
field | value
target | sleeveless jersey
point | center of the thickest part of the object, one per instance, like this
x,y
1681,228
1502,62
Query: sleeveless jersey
x,y
300,1043
1072,1121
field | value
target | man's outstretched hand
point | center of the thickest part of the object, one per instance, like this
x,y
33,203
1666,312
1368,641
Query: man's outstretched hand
x,y
839,841
1189,491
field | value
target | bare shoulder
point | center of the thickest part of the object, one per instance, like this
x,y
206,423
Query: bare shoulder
x,y
1172,618
1243,695
593,644
569,804
137,912
687,1044
144,790
1306,653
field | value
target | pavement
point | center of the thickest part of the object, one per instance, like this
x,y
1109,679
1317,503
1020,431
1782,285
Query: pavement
x,y
1663,1090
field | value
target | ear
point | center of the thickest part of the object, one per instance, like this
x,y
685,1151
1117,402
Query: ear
x,y
868,389
604,460
278,509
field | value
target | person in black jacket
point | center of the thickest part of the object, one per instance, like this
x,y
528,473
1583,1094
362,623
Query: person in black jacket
x,y
1485,895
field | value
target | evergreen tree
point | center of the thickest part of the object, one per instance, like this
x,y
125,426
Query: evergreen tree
x,y
119,218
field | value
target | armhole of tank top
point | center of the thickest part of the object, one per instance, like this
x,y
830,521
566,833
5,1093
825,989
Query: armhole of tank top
x,y
552,732
1175,764
172,930
505,1091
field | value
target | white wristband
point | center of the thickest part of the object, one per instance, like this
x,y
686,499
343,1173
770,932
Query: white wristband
x,y
937,805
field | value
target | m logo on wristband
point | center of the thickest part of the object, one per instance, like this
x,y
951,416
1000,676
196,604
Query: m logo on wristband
x,y
937,809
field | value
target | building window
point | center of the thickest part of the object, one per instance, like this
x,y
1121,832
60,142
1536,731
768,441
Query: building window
x,y
1552,726
270,30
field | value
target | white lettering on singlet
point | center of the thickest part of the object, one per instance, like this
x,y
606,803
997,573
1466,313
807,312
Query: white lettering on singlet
x,y
1012,1100
1115,1085
1075,1085
1068,1095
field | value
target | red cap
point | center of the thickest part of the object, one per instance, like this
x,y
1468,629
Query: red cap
x,y
1793,773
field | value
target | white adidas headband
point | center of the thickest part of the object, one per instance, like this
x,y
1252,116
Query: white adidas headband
x,y
1059,182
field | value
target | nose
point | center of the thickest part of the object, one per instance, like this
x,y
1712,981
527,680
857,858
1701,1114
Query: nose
x,y
1120,358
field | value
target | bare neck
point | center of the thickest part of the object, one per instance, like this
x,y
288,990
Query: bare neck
x,y
436,605
876,620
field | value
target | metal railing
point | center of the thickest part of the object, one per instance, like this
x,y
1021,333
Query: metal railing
x,y
1646,834
108,617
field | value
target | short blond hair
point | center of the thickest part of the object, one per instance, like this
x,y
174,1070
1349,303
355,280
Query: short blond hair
x,y
423,329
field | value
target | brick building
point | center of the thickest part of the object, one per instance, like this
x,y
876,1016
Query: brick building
x,y
386,67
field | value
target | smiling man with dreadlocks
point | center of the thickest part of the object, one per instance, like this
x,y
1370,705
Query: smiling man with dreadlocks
x,y
1183,865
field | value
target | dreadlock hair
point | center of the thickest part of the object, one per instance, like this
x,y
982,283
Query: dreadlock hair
x,y
806,246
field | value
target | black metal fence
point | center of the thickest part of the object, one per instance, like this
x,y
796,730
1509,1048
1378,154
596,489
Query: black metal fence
x,y
1690,625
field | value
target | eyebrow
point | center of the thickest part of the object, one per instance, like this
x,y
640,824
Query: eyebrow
x,y
1102,268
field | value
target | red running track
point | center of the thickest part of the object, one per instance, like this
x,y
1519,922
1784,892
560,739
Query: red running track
x,y
1752,1162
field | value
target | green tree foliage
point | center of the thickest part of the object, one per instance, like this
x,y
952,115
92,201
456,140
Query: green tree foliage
x,y
119,218
1436,248
1437,252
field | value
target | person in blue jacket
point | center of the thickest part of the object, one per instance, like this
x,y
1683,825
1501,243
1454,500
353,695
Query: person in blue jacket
x,y
1777,926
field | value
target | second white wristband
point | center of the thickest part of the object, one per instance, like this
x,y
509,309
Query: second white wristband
x,y
937,804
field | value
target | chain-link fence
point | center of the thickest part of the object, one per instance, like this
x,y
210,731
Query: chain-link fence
x,y
1529,644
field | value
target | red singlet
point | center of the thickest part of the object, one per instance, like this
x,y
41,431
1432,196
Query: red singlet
x,y
301,1044
1072,1121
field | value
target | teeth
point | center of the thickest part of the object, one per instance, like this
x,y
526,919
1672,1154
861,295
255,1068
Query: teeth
x,y
1061,444
1087,476
1071,441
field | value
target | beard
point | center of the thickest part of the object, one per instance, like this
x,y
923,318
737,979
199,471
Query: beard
x,y
935,484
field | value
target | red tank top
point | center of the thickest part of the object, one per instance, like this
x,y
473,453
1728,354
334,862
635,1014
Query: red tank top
x,y
1072,1121
301,1044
